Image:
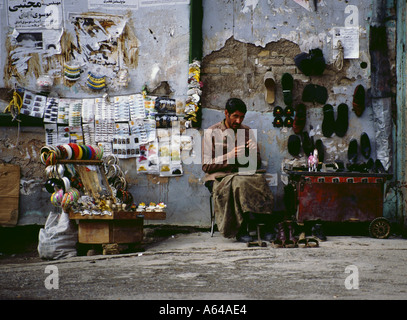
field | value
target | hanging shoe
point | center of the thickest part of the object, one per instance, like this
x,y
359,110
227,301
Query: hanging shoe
x,y
359,100
303,63
288,111
278,111
300,118
307,144
328,124
342,120
270,84
315,93
365,147
379,167
294,145
288,122
278,122
287,83
317,61
340,166
370,165
321,150
321,94
353,151
308,94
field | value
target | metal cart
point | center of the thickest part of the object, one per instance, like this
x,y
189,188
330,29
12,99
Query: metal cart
x,y
341,197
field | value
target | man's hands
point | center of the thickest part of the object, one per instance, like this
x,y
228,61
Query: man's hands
x,y
240,151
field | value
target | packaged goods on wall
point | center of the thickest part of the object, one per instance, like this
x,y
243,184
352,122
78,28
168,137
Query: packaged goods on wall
x,y
140,126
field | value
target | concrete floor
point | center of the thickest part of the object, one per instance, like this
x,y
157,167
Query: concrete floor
x,y
196,266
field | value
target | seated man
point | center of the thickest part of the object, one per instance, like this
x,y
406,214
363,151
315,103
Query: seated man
x,y
231,158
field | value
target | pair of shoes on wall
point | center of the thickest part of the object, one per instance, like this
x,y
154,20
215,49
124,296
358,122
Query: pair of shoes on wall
x,y
295,143
330,125
365,148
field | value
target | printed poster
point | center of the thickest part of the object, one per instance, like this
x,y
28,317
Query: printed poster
x,y
349,38
35,14
131,4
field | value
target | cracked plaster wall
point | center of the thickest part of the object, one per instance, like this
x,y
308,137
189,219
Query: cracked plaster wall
x,y
241,40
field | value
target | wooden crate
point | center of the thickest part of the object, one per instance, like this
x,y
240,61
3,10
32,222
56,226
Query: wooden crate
x,y
10,193
154,215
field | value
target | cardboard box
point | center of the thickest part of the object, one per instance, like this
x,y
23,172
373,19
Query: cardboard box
x,y
10,194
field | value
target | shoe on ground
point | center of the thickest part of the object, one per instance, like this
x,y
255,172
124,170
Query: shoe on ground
x,y
318,232
244,238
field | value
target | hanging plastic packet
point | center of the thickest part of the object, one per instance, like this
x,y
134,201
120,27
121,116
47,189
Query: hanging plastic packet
x,y
44,83
72,71
96,82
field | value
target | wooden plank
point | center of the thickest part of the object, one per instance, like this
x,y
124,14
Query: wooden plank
x,y
156,215
127,231
94,232
127,215
10,193
118,215
79,216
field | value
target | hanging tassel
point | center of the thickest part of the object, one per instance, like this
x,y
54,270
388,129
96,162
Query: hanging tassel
x,y
339,58
14,106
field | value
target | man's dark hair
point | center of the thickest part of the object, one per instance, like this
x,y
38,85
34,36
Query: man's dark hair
x,y
235,104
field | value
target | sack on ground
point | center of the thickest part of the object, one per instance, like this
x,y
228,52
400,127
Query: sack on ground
x,y
58,238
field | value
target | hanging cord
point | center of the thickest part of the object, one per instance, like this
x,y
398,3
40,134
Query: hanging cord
x,y
14,108
339,58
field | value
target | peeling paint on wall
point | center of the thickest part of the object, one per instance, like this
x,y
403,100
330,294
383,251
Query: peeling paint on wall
x,y
28,187
249,5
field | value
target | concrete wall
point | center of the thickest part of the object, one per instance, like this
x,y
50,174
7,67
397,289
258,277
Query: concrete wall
x,y
241,41
401,110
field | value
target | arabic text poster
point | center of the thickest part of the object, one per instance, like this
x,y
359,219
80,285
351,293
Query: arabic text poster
x,y
34,14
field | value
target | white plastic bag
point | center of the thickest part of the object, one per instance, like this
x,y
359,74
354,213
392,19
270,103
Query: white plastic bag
x,y
58,238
